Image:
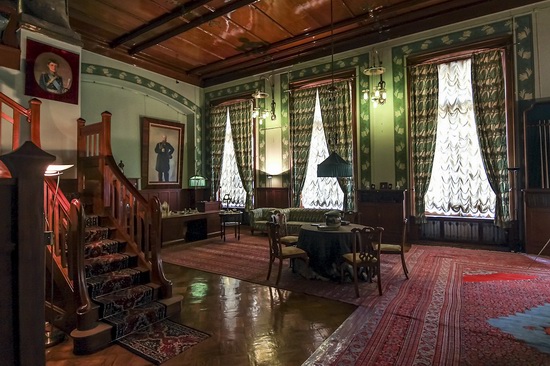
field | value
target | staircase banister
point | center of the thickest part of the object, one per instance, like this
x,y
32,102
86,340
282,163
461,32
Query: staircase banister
x,y
14,105
156,245
152,243
86,318
32,114
111,163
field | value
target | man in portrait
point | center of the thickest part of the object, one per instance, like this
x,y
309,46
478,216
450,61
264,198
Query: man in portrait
x,y
164,152
50,81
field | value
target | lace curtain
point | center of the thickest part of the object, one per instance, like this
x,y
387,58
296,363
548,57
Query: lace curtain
x,y
230,180
320,192
458,184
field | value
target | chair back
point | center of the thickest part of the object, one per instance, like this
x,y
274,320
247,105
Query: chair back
x,y
351,216
404,233
280,218
274,235
366,244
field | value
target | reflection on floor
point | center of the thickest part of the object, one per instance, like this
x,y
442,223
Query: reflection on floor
x,y
249,324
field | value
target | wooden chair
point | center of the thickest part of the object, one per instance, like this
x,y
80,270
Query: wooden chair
x,y
352,216
280,252
364,255
288,240
398,248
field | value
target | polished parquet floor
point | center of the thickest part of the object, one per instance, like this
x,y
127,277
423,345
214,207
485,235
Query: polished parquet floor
x,y
249,324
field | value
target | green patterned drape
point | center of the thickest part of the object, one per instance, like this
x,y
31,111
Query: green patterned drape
x,y
337,122
240,115
302,109
490,114
424,108
216,132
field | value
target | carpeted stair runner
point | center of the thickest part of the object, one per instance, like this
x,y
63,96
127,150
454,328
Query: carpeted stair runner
x,y
123,291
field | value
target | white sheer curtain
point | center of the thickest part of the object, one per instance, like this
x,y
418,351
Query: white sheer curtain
x,y
230,180
458,185
320,192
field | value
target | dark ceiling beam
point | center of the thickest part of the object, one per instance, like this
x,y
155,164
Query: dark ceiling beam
x,y
362,37
194,23
155,23
381,14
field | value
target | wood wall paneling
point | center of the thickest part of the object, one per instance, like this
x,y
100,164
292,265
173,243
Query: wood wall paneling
x,y
272,197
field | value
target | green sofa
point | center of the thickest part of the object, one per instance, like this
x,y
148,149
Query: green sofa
x,y
295,218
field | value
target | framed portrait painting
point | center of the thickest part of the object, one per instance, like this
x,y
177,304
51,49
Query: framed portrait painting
x,y
161,153
51,73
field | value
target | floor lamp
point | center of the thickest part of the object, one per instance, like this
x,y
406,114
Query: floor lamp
x,y
52,335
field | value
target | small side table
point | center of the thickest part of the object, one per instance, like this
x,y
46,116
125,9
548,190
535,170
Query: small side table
x,y
228,219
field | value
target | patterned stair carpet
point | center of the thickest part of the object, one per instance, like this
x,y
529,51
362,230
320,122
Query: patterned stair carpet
x,y
127,299
161,341
459,307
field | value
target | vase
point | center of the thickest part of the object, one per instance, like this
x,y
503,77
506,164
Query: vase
x,y
333,218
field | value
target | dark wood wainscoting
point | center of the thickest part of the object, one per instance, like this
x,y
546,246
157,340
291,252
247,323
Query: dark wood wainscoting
x,y
178,199
272,197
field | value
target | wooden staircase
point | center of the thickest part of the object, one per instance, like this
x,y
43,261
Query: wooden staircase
x,y
104,276
114,242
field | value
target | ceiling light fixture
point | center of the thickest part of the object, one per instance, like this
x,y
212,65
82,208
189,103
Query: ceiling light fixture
x,y
378,94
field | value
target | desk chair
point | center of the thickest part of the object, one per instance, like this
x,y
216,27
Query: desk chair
x,y
278,251
364,255
398,248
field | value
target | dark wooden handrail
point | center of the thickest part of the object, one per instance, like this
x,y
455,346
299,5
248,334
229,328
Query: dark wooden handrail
x,y
32,115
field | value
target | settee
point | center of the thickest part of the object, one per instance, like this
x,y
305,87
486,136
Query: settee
x,y
295,218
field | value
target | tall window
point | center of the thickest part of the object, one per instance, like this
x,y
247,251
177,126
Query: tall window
x,y
320,192
321,121
230,180
230,144
459,134
458,184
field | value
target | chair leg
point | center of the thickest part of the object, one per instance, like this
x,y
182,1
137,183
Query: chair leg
x,y
355,281
404,265
279,273
270,265
379,280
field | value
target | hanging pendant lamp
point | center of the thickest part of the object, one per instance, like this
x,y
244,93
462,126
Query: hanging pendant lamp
x,y
334,165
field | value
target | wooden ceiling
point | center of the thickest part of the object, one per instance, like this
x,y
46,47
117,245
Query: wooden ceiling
x,y
208,42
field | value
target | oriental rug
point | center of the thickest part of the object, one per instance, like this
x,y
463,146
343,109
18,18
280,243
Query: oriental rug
x,y
161,341
459,307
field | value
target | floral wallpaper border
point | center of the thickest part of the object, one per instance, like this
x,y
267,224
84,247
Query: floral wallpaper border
x,y
520,26
113,73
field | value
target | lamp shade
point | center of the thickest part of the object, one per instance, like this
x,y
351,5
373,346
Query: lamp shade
x,y
55,170
197,181
334,166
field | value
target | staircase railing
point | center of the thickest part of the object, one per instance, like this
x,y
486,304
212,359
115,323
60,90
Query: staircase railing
x,y
58,221
134,216
12,112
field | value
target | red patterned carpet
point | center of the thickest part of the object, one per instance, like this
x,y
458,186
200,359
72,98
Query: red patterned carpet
x,y
161,341
459,307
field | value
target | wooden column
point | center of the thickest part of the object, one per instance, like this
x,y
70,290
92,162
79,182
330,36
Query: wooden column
x,y
27,166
